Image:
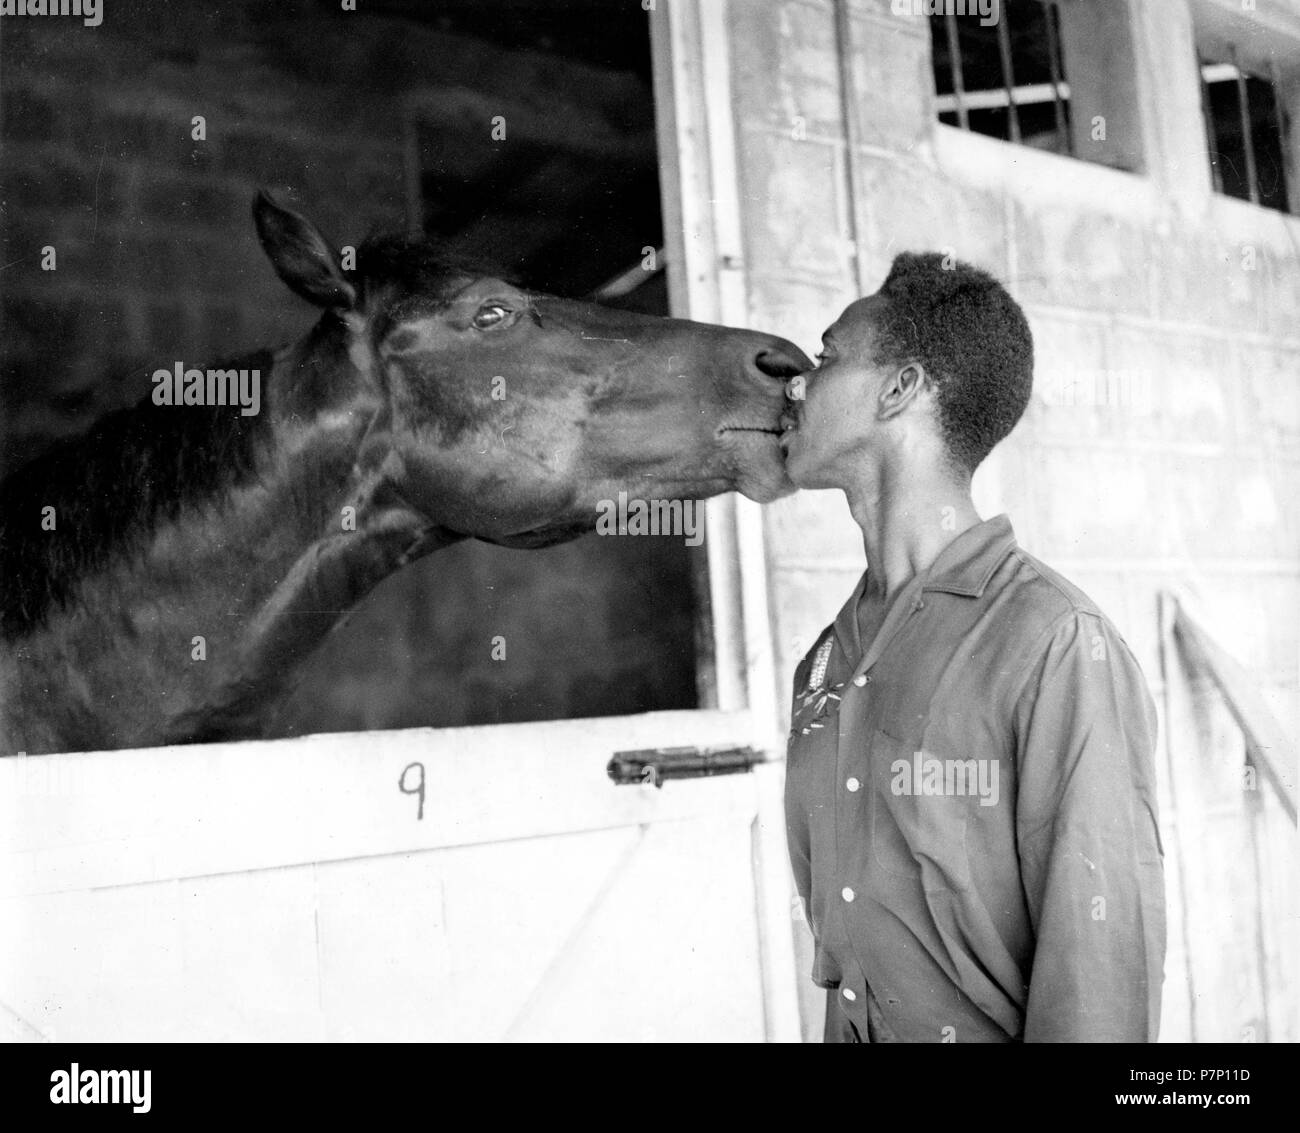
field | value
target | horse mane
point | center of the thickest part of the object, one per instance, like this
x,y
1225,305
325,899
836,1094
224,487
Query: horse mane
x,y
109,487
138,466
415,272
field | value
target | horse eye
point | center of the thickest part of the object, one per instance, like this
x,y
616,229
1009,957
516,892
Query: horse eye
x,y
490,315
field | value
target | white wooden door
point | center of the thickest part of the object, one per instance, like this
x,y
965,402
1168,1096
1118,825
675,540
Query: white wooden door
x,y
292,890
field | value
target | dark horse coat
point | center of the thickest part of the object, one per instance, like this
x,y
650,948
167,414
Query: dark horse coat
x,y
164,575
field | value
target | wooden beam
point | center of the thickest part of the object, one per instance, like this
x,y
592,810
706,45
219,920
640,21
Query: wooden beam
x,y
1267,745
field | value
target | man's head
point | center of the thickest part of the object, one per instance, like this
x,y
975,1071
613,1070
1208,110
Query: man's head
x,y
937,364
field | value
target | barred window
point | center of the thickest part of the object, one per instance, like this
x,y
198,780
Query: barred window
x,y
1059,77
1007,79
1243,128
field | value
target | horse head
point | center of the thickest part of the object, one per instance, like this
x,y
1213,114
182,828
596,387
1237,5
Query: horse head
x,y
201,554
508,415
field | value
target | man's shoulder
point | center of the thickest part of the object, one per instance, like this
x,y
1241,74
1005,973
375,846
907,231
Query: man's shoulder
x,y
1062,633
1045,600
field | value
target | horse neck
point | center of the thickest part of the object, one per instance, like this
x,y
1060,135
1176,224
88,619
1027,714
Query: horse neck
x,y
260,573
323,524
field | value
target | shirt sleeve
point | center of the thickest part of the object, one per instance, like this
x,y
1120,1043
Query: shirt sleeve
x,y
1090,855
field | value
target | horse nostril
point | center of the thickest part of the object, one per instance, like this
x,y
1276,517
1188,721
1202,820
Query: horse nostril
x,y
782,361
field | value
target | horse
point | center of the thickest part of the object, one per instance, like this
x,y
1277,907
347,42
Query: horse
x,y
164,576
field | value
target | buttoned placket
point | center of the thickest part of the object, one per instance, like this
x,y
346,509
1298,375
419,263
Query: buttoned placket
x,y
852,772
963,569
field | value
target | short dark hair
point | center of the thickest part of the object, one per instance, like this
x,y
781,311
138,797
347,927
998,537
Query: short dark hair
x,y
973,340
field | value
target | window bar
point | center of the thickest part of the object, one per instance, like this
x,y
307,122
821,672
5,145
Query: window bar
x,y
1008,78
1284,140
1207,113
1246,140
1054,63
958,79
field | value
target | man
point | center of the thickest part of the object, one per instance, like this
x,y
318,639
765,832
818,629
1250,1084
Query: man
x,y
970,795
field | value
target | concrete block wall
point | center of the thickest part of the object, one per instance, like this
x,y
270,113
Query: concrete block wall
x,y
1162,446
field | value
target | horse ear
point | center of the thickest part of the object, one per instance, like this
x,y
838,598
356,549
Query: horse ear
x,y
301,256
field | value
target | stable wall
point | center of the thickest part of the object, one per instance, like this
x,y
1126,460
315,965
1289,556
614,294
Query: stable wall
x,y
1162,446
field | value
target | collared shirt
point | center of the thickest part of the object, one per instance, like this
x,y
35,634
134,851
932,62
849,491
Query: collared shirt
x,y
971,809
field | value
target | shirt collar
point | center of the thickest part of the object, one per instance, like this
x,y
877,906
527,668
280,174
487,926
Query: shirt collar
x,y
963,567
966,564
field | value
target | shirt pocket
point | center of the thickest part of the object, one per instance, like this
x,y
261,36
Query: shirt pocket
x,y
919,814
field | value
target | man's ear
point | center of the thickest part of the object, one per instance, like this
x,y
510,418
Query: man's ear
x,y
301,256
901,390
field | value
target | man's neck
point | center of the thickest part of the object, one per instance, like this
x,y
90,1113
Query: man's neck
x,y
907,519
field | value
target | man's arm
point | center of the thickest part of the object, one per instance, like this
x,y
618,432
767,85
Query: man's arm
x,y
1090,855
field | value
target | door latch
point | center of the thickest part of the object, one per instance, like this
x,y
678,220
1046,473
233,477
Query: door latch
x,y
652,766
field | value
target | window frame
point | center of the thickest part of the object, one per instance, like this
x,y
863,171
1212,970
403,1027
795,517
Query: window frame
x,y
1253,46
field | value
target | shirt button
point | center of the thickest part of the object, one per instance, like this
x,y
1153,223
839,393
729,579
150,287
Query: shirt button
x,y
847,893
860,679
849,994
852,783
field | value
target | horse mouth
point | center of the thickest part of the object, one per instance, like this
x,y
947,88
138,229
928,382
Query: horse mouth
x,y
757,451
770,430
